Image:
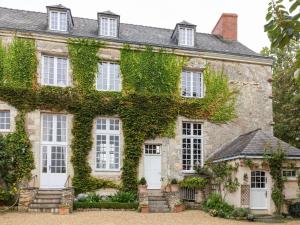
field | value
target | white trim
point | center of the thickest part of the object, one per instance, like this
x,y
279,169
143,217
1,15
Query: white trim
x,y
192,74
55,58
58,20
107,132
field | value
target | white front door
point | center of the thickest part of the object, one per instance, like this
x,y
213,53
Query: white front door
x,y
152,166
53,151
258,194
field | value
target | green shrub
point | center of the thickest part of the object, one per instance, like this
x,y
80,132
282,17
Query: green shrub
x,y
143,181
105,205
217,207
174,181
240,212
123,197
194,182
92,197
294,209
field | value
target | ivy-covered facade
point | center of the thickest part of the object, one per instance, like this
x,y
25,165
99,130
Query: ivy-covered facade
x,y
106,111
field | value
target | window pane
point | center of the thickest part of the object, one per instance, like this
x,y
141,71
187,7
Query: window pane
x,y
101,124
63,22
101,151
47,127
54,21
4,120
62,71
104,26
61,128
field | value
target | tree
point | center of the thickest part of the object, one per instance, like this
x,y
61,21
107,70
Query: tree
x,y
282,26
286,93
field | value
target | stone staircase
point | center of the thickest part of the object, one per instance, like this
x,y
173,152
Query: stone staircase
x,y
157,202
46,201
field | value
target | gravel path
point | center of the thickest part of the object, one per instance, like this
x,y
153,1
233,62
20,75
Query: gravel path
x,y
119,218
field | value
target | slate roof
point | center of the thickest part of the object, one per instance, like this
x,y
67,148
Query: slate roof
x,y
253,144
22,20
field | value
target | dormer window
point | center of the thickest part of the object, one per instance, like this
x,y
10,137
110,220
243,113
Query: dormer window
x,y
58,21
108,27
59,18
109,24
186,36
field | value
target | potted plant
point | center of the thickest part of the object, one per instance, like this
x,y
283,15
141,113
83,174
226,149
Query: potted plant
x,y
144,208
179,206
142,185
64,209
174,185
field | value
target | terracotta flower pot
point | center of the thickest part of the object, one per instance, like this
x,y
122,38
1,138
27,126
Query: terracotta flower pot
x,y
179,208
144,209
64,211
142,188
174,187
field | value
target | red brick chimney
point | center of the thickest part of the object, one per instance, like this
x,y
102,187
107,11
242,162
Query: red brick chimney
x,y
227,27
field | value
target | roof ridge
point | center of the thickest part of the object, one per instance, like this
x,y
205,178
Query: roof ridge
x,y
22,10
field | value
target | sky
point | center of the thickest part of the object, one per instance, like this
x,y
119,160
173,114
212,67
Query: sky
x,y
166,13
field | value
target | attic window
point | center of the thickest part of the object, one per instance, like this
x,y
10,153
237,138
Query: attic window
x,y
108,27
186,36
58,21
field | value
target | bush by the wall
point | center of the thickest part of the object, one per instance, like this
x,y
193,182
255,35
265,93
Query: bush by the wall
x,y
294,209
105,205
194,182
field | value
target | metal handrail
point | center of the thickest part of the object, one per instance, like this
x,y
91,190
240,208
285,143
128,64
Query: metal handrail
x,y
67,183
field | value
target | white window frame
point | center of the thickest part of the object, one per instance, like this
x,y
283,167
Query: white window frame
x,y
107,132
289,171
109,78
191,80
192,137
184,40
59,27
54,142
111,25
6,130
55,84
159,146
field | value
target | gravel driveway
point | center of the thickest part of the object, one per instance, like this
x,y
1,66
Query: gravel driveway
x,y
119,218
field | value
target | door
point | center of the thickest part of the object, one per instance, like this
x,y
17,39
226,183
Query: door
x,y
53,151
152,166
258,194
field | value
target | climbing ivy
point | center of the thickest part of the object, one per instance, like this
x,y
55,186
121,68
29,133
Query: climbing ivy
x,y
19,63
275,159
16,158
148,105
84,61
2,54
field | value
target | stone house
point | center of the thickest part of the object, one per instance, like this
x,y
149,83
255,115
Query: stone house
x,y
163,158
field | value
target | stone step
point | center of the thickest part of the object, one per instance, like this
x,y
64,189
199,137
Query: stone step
x,y
159,210
43,205
155,193
156,198
47,196
47,200
48,192
158,202
43,210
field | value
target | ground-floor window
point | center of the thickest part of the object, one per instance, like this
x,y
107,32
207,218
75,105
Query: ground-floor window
x,y
107,144
192,140
4,120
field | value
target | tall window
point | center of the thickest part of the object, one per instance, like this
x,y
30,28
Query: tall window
x,y
192,84
108,27
108,78
4,120
107,144
192,153
54,143
186,36
54,71
58,21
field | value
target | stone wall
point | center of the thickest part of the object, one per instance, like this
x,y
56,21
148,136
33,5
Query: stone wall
x,y
254,110
26,197
67,198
